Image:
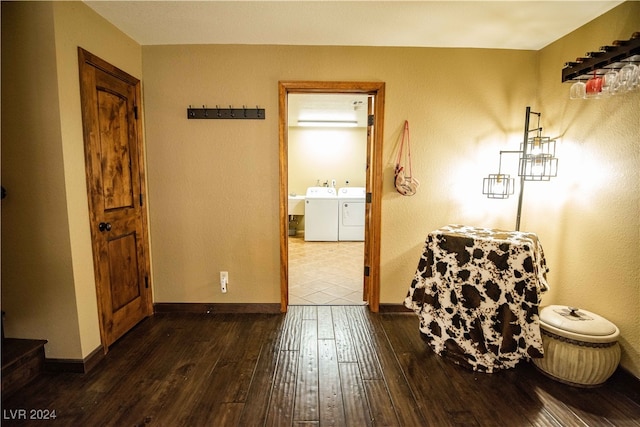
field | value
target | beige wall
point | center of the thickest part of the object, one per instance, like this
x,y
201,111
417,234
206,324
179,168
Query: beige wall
x,y
592,213
37,271
323,154
213,184
48,288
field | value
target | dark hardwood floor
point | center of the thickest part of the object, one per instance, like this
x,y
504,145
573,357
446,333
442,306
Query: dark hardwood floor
x,y
316,365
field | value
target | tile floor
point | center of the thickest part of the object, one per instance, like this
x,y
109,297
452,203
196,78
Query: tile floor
x,y
325,273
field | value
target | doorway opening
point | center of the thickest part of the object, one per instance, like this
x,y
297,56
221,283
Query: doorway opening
x,y
364,95
327,140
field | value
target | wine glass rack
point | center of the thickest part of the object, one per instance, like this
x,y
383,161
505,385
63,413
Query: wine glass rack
x,y
616,56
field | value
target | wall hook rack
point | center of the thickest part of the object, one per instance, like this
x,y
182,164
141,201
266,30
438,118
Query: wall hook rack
x,y
243,113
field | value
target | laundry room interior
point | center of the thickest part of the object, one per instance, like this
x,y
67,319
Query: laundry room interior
x,y
327,143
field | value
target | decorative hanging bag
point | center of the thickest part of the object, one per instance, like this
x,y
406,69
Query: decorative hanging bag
x,y
405,183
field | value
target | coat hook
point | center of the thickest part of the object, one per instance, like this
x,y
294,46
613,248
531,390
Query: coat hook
x,y
243,112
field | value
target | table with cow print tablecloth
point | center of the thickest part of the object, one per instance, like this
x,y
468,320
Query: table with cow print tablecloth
x,y
477,292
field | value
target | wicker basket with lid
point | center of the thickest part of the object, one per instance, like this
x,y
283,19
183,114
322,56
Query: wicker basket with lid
x,y
580,348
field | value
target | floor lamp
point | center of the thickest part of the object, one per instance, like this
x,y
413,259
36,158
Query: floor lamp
x,y
537,162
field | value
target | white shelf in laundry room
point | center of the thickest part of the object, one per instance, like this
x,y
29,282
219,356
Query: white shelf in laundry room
x,y
296,204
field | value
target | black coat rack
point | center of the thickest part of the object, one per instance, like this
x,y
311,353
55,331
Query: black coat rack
x,y
243,113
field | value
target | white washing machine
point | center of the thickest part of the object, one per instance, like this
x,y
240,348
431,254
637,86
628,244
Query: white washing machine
x,y
351,213
321,214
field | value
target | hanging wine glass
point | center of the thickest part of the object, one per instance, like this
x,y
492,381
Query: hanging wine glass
x,y
577,90
625,80
608,81
634,83
594,86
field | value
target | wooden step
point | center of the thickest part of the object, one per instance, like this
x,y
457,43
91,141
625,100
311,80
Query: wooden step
x,y
22,361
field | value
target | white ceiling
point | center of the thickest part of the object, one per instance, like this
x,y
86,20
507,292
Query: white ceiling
x,y
476,24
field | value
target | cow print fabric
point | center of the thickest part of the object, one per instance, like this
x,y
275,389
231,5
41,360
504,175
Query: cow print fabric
x,y
477,293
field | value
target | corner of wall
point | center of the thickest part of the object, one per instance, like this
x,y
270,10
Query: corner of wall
x,y
37,278
595,215
77,25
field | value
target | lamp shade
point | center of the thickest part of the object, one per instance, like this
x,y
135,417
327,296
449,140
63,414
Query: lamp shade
x,y
538,161
498,186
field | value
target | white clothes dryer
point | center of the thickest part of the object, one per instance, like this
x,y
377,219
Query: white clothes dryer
x,y
351,213
321,214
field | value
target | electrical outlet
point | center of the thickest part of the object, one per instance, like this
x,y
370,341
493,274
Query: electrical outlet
x,y
224,281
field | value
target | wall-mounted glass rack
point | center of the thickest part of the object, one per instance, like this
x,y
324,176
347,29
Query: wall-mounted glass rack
x,y
616,56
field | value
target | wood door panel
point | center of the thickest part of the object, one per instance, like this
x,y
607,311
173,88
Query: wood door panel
x,y
123,270
117,182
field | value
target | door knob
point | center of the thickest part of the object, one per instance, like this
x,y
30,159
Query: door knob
x,y
104,226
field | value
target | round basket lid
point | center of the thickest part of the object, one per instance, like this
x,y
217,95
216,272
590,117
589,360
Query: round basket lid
x,y
577,321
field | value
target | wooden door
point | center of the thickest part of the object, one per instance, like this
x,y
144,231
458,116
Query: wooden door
x,y
367,211
115,185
